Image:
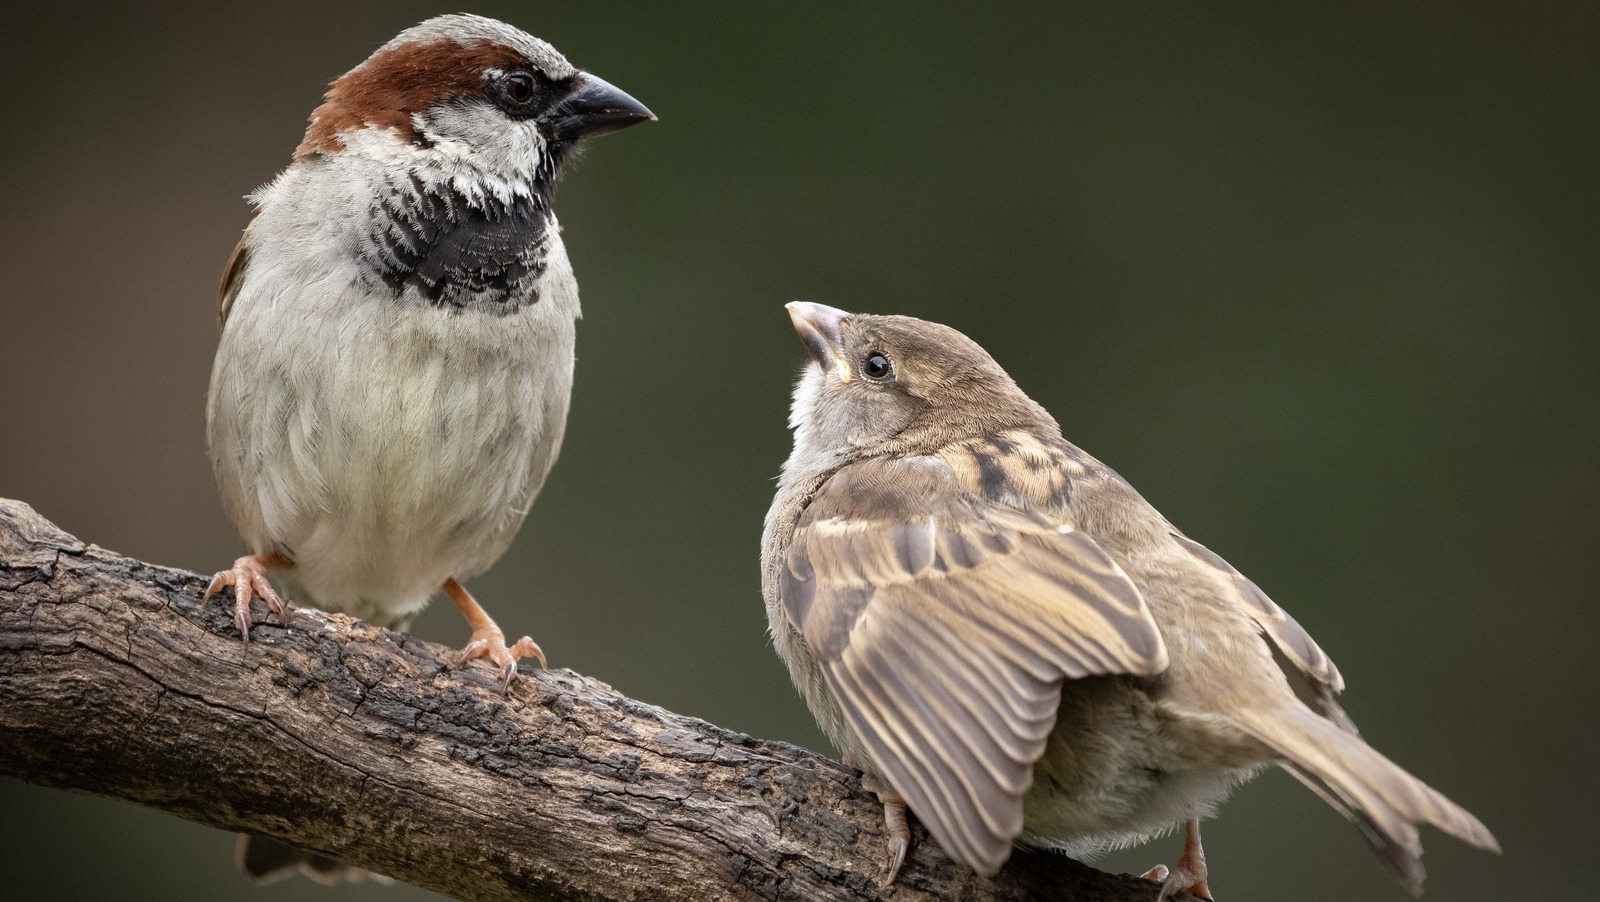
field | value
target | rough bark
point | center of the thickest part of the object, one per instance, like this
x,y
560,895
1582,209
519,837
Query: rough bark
x,y
373,747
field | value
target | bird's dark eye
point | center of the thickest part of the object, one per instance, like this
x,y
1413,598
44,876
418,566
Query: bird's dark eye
x,y
519,87
876,366
518,93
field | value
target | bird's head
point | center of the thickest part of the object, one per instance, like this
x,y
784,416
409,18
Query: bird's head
x,y
468,94
897,385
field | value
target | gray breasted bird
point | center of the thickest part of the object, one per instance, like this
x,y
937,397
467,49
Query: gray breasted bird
x,y
396,362
1007,638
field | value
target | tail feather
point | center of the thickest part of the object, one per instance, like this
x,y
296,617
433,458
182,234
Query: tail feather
x,y
1382,799
1402,862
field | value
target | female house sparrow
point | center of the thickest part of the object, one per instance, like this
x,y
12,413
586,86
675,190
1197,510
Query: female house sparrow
x,y
1014,643
396,361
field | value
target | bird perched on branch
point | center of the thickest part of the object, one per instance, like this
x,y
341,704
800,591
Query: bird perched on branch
x,y
398,321
1012,642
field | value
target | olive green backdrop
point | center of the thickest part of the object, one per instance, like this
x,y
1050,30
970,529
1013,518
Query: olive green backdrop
x,y
1319,278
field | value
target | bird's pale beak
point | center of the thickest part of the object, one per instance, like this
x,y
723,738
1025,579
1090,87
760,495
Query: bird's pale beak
x,y
821,328
595,107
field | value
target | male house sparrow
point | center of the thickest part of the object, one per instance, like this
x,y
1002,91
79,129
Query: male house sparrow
x,y
1014,643
396,360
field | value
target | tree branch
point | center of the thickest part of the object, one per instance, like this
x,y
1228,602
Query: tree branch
x,y
371,747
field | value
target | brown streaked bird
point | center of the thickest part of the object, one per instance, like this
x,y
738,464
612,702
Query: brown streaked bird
x,y
1012,642
398,322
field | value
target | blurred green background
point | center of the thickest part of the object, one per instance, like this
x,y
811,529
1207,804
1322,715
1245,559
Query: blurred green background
x,y
1321,279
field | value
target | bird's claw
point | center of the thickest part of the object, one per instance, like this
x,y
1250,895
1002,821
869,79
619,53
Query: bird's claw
x,y
491,644
1177,880
1189,876
248,577
894,819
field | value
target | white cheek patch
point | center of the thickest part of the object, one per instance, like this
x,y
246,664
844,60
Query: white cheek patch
x,y
498,165
477,139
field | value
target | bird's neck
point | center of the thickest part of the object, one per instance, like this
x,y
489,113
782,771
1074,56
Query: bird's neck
x,y
420,230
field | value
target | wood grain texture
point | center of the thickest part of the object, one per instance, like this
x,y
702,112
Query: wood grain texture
x,y
372,746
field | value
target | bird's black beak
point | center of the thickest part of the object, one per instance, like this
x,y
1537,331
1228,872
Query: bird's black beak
x,y
594,107
821,328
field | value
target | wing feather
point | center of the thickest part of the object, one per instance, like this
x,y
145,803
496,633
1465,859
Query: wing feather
x,y
1311,672
944,626
233,273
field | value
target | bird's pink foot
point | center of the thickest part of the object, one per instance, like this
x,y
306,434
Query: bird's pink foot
x,y
488,641
894,820
1189,875
248,577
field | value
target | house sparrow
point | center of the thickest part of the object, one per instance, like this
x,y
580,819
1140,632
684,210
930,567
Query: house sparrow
x,y
1007,638
396,360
